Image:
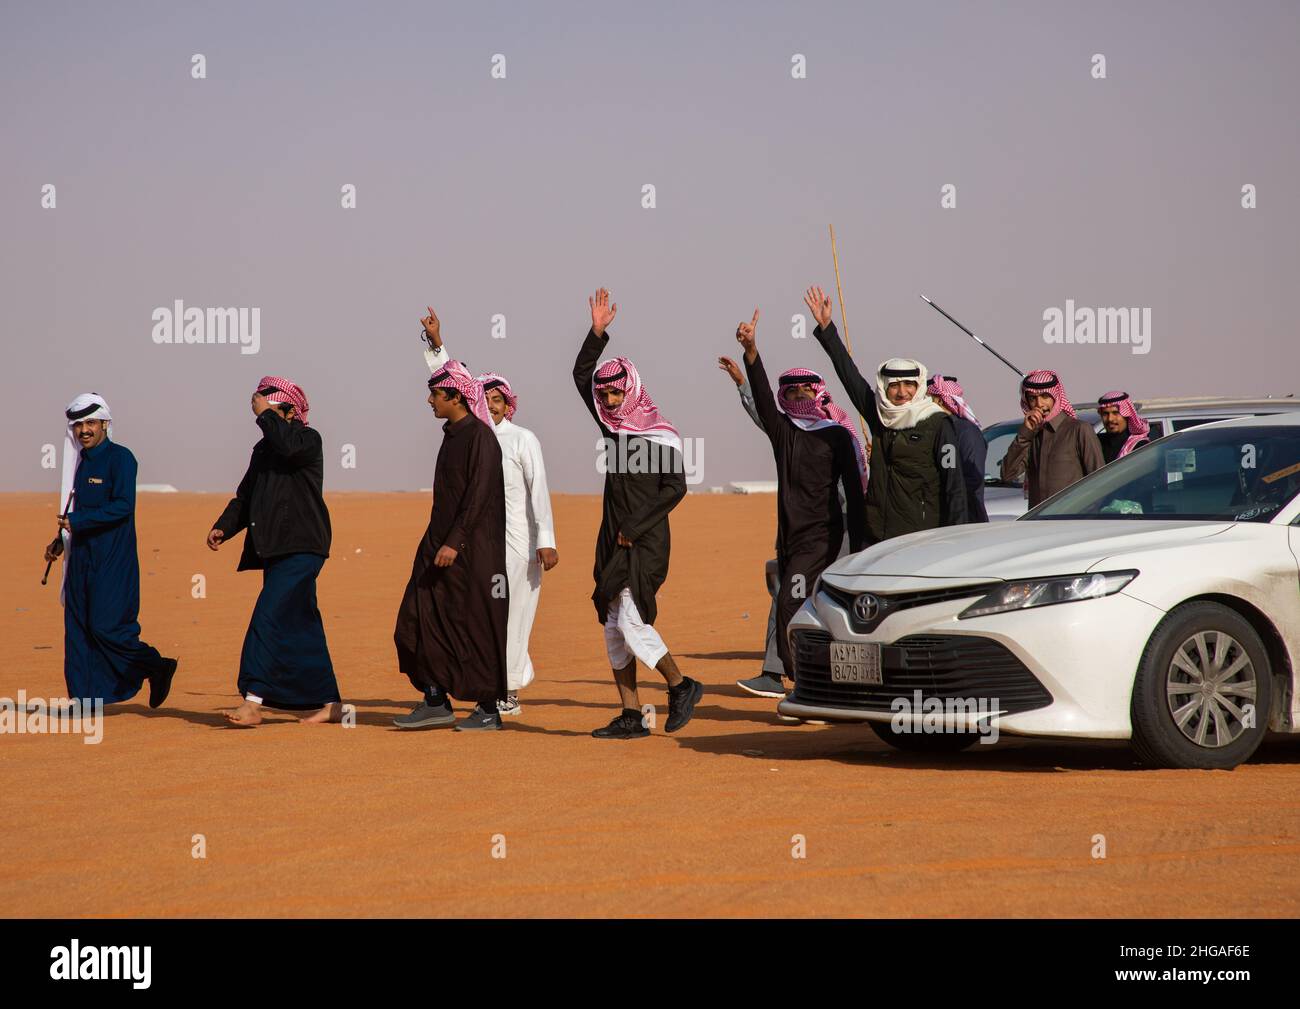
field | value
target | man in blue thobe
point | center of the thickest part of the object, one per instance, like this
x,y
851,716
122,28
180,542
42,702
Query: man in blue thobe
x,y
103,656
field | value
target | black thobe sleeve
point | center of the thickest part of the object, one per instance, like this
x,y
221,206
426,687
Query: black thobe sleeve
x,y
974,456
479,465
672,488
861,393
952,486
584,370
764,402
294,443
855,501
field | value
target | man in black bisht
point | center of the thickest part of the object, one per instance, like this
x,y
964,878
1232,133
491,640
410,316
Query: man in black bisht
x,y
451,625
285,662
816,452
916,477
644,481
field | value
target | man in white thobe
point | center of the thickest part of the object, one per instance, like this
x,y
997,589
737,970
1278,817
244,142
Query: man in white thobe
x,y
530,531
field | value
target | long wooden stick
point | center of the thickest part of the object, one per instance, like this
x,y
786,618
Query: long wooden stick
x,y
866,438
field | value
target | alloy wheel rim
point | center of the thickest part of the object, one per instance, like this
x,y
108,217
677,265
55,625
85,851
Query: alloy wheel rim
x,y
1210,687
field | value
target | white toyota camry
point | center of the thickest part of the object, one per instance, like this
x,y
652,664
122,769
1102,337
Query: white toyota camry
x,y
1156,600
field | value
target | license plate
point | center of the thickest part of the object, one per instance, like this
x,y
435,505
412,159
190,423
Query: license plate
x,y
855,662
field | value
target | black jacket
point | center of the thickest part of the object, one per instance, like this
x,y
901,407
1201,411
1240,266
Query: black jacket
x,y
279,500
974,454
912,485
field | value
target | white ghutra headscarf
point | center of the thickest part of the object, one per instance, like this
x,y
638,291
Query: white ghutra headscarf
x,y
87,406
920,406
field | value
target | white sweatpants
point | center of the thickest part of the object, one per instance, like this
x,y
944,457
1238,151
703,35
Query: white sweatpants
x,y
627,636
524,577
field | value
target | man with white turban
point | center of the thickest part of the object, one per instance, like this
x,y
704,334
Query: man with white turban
x,y
103,657
915,467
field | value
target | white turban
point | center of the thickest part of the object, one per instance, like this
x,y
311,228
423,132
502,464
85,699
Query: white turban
x,y
911,413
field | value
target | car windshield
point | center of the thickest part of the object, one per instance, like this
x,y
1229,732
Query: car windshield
x,y
1225,474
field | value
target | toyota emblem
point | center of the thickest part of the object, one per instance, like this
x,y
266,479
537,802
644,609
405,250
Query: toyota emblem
x,y
866,607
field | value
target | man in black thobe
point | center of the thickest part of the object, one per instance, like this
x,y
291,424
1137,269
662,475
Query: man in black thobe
x,y
451,626
816,453
644,481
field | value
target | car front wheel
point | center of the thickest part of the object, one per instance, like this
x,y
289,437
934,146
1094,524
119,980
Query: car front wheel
x,y
1203,689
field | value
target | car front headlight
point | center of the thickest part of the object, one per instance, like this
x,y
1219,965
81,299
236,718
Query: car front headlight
x,y
1048,592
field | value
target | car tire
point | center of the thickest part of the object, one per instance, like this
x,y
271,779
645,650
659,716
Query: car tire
x,y
924,742
1169,711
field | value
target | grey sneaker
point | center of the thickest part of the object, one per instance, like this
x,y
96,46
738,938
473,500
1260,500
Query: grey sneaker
x,y
767,685
479,719
510,706
425,716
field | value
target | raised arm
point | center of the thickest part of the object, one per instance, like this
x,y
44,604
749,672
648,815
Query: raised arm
x,y
584,368
743,387
861,393
769,417
435,354
296,444
121,502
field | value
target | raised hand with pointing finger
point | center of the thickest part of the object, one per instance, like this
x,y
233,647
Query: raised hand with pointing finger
x,y
745,337
432,329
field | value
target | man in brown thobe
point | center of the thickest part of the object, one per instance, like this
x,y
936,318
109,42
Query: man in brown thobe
x,y
1053,448
451,626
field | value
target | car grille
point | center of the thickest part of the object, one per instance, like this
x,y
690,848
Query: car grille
x,y
892,602
938,665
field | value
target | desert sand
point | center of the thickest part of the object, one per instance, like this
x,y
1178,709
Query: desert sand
x,y
371,821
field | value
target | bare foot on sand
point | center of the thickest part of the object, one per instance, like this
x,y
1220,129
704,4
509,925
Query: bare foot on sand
x,y
245,716
330,713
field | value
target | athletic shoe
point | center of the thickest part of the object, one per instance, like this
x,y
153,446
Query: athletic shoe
x,y
767,685
681,703
426,716
510,706
480,719
626,725
160,684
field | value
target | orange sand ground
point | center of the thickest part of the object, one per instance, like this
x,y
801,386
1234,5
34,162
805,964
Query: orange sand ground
x,y
370,821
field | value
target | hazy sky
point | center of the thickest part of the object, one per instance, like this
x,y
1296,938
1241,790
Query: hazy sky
x,y
519,196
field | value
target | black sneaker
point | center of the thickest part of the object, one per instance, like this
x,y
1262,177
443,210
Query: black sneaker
x,y
626,725
426,716
160,684
480,719
681,703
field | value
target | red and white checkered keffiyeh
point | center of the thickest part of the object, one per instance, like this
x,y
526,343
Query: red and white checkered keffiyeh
x,y
637,414
454,375
285,392
1048,382
1138,429
491,380
820,411
952,395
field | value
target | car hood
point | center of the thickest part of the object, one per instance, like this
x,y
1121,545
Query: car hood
x,y
1022,549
